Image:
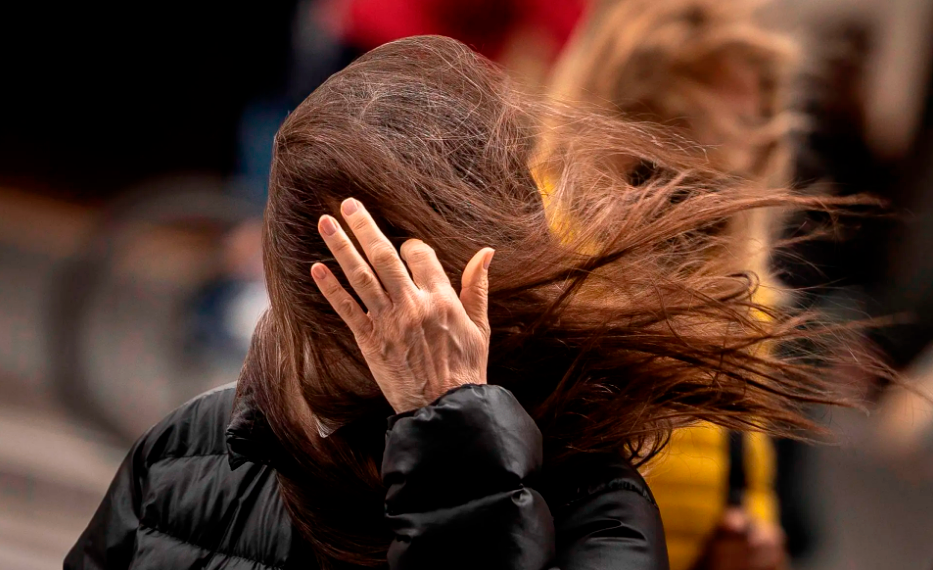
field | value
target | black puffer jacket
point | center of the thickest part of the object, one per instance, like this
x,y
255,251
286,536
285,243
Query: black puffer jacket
x,y
463,491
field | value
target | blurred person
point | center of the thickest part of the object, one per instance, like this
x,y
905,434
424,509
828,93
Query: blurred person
x,y
519,407
905,422
707,69
885,270
903,426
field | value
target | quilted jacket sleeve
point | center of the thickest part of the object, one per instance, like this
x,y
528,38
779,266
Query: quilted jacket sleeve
x,y
605,517
462,476
108,543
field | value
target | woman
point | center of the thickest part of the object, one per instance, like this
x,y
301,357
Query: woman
x,y
518,407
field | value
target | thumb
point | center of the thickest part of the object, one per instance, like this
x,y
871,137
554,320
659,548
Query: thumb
x,y
474,288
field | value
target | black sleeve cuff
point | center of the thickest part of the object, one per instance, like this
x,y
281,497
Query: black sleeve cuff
x,y
472,442
455,474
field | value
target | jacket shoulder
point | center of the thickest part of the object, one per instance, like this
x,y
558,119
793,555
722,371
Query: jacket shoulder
x,y
195,428
605,516
191,498
177,503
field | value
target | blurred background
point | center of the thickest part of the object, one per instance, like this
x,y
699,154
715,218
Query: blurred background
x,y
134,148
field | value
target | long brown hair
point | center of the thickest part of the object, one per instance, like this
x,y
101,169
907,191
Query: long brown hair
x,y
608,346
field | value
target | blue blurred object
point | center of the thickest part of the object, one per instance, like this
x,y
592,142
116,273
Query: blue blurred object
x,y
224,312
255,136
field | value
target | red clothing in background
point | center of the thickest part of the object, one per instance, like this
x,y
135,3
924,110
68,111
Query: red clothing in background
x,y
484,25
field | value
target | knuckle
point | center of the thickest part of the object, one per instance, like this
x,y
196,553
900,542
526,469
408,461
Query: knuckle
x,y
333,288
422,255
346,306
341,247
418,256
361,222
408,298
477,286
408,245
382,254
366,339
486,330
362,277
416,310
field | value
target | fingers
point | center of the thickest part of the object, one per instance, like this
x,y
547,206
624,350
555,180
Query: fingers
x,y
474,292
378,249
342,302
426,270
735,520
358,272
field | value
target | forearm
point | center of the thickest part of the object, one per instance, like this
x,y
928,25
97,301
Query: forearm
x,y
456,474
465,490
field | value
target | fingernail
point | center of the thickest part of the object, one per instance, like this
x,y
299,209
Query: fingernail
x,y
488,259
350,206
328,227
318,271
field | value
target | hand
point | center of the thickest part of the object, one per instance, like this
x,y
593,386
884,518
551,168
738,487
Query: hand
x,y
418,338
739,543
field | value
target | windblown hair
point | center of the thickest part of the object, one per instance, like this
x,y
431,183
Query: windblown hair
x,y
708,70
608,347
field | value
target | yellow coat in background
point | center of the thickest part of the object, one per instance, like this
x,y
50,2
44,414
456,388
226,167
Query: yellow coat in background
x,y
689,480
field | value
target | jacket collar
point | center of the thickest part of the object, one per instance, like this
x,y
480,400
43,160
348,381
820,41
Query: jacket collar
x,y
249,436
